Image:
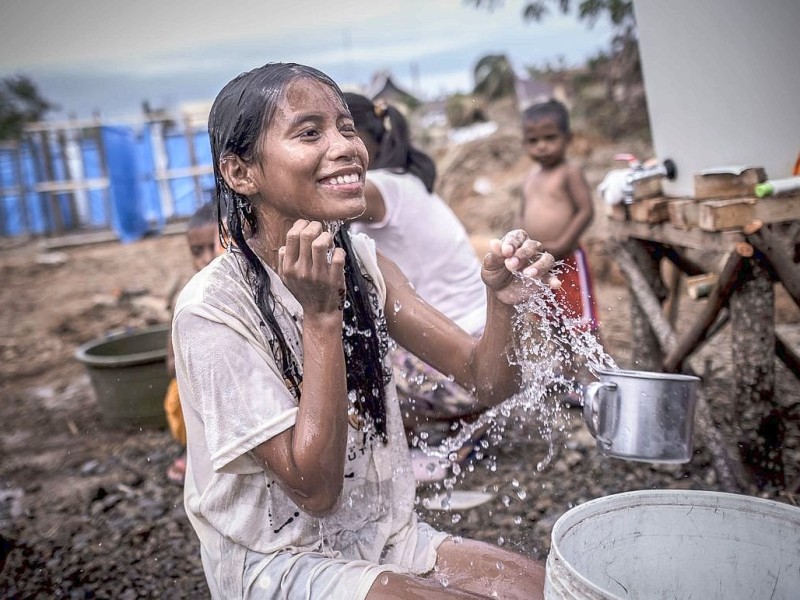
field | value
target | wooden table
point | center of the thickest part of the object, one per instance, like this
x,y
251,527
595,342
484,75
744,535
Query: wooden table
x,y
748,256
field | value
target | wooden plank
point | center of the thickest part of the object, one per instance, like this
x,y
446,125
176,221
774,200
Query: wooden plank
x,y
690,340
23,188
71,186
74,240
728,185
778,209
717,215
683,213
665,233
736,213
57,218
727,468
72,201
195,171
700,286
787,335
788,271
652,210
617,212
188,136
108,209
647,188
649,327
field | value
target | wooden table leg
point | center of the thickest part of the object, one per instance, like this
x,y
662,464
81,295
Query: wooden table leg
x,y
647,353
752,309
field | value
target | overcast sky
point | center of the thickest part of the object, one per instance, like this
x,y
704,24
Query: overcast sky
x,y
111,55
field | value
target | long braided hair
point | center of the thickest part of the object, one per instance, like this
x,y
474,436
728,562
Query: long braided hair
x,y
389,129
243,109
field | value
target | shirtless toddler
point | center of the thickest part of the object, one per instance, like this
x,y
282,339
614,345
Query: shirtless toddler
x,y
557,208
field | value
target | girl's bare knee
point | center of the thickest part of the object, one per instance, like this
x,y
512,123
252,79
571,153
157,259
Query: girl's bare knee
x,y
489,570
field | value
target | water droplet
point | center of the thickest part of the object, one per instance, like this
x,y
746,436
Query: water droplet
x,y
331,227
397,306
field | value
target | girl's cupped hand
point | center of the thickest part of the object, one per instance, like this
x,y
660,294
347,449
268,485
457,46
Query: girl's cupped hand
x,y
313,274
516,253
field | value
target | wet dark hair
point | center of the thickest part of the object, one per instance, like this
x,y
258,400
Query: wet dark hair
x,y
553,109
205,215
395,150
243,109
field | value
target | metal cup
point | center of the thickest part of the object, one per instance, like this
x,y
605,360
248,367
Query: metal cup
x,y
641,415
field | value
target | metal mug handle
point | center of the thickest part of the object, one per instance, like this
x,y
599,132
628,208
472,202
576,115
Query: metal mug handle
x,y
591,407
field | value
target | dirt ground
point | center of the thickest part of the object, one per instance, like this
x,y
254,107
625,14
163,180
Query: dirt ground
x,y
86,510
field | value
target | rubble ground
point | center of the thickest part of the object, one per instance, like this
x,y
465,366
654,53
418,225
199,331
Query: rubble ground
x,y
87,511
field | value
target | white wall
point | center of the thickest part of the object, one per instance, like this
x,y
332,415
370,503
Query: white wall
x,y
723,83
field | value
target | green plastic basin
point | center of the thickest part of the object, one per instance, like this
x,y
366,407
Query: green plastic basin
x,y
129,376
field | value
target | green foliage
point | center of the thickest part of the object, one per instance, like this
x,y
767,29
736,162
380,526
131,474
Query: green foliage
x,y
20,103
494,77
463,110
609,92
619,12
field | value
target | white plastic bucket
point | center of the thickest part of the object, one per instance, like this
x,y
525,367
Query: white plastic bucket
x,y
670,544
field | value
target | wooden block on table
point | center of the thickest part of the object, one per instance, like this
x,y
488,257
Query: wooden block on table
x,y
652,210
647,188
683,213
728,185
736,213
778,209
700,286
716,215
616,212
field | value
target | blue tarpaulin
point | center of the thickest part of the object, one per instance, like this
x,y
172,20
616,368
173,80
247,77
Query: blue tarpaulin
x,y
127,218
135,201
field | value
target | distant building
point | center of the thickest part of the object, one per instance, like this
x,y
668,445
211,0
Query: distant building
x,y
383,87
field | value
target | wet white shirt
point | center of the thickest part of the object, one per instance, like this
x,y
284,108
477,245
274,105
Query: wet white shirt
x,y
234,399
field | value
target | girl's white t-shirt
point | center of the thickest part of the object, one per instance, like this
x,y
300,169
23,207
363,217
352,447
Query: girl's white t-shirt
x,y
234,398
423,236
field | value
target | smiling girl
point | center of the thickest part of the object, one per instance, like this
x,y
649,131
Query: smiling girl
x,y
298,481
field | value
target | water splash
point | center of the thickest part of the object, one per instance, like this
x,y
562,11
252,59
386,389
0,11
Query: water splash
x,y
333,228
548,344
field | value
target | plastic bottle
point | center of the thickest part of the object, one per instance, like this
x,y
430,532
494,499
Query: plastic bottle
x,y
771,187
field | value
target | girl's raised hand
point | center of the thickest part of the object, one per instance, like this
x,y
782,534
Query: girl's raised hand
x,y
305,268
516,252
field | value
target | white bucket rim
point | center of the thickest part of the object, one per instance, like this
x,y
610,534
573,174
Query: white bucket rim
x,y
623,501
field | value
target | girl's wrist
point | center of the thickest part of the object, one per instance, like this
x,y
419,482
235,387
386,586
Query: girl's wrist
x,y
327,321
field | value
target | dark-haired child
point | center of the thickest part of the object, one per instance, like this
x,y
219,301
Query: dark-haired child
x,y
202,237
298,478
417,230
557,209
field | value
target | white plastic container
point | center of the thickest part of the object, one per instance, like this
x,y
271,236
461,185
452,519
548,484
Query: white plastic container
x,y
720,86
672,544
